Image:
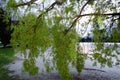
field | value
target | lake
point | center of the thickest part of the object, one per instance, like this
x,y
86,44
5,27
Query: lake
x,y
89,72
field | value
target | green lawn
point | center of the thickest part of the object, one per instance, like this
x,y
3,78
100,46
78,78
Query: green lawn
x,y
6,56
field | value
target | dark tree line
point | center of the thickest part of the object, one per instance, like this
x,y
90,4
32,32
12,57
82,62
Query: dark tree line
x,y
5,30
104,39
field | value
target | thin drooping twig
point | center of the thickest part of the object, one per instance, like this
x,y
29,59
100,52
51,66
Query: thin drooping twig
x,y
87,25
84,6
75,20
100,14
48,9
91,14
51,7
27,3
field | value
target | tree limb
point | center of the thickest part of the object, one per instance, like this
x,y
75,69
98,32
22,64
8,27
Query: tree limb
x,y
84,6
51,7
75,20
48,9
99,14
27,3
90,14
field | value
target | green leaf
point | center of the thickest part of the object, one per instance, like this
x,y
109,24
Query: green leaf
x,y
96,55
11,3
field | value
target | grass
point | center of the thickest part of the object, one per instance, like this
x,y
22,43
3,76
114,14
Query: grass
x,y
6,56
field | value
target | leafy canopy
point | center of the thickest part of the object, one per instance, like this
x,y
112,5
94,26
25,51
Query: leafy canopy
x,y
53,25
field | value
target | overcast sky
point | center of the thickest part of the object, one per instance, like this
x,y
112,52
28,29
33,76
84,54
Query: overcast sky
x,y
47,4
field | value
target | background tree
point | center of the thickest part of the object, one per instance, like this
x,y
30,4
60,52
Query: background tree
x,y
5,30
54,27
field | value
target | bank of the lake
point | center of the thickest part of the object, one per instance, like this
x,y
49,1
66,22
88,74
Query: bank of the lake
x,y
89,72
6,57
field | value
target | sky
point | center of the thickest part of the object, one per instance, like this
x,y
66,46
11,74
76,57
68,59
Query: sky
x,y
83,31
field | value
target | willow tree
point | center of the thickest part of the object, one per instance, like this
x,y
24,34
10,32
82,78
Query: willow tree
x,y
52,24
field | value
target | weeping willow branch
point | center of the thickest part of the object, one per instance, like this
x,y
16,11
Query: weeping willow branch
x,y
91,14
27,3
51,7
84,6
48,9
75,20
99,14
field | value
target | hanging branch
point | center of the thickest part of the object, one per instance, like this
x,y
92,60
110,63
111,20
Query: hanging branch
x,y
99,14
75,20
27,3
47,10
51,7
91,14
84,6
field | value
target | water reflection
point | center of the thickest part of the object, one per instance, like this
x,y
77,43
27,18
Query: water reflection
x,y
104,55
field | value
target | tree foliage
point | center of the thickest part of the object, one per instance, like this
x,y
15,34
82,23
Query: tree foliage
x,y
55,27
5,30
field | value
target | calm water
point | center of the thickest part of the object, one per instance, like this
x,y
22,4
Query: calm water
x,y
112,73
